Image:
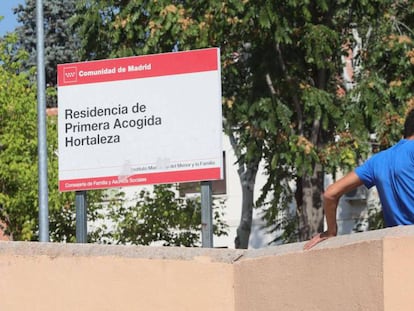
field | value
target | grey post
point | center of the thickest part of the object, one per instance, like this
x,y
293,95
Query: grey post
x,y
206,214
41,132
81,217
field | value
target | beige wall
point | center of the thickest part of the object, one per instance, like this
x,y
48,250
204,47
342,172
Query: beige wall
x,y
364,271
346,278
399,273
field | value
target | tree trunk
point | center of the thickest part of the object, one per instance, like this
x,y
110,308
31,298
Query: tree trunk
x,y
247,176
247,170
309,204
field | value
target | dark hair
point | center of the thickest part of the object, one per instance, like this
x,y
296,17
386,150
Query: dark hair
x,y
409,124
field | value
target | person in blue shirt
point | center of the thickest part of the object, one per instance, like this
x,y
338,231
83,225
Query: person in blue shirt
x,y
391,171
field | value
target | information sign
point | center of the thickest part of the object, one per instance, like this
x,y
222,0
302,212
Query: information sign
x,y
140,120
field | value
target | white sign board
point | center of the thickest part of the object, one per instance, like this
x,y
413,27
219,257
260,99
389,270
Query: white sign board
x,y
140,120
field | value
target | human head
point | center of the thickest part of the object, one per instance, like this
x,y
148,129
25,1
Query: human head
x,y
409,124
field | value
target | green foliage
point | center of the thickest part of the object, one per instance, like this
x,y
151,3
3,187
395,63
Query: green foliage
x,y
162,217
384,86
19,157
375,220
18,167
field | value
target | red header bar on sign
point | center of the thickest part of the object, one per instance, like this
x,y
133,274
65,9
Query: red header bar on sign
x,y
138,67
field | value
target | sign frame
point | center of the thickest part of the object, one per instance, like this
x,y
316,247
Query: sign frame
x,y
140,120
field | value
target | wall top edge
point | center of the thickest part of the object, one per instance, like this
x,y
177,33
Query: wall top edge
x,y
337,242
20,248
220,255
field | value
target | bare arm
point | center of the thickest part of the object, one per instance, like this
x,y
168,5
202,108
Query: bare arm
x,y
330,203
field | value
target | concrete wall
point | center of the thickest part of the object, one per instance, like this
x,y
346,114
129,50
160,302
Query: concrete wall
x,y
363,271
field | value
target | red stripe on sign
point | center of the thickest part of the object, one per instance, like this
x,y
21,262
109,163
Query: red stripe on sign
x,y
140,179
138,67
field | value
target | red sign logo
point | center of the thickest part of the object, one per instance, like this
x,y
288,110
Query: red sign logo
x,y
70,75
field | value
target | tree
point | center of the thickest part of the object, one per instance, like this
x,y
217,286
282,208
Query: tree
x,y
384,80
161,217
18,157
18,149
384,67
330,129
60,43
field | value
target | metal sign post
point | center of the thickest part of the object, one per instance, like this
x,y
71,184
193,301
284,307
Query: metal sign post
x,y
41,119
206,214
81,217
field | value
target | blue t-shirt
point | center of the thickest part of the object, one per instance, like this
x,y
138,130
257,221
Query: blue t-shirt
x,y
392,172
